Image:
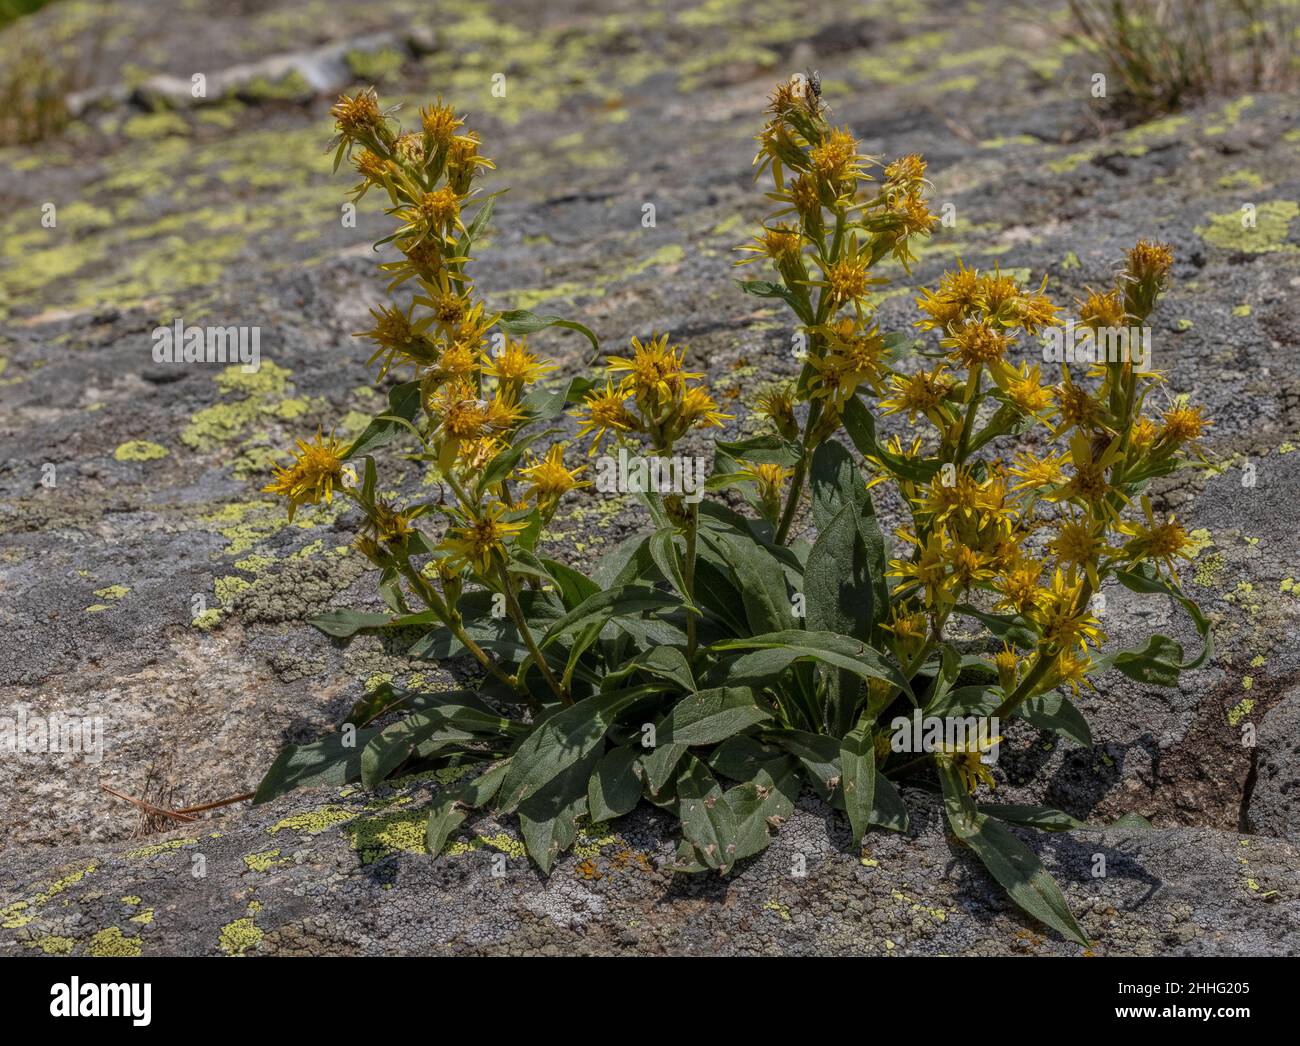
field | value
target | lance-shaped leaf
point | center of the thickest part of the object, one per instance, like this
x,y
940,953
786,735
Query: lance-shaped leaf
x,y
760,804
329,761
1055,712
858,777
1008,859
708,822
610,603
449,809
1050,820
776,651
562,740
521,321
403,407
548,818
710,716
761,576
614,789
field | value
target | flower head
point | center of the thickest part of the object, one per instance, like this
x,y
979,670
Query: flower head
x,y
316,468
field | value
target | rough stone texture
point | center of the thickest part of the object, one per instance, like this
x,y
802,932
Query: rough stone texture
x,y
1275,796
321,873
165,594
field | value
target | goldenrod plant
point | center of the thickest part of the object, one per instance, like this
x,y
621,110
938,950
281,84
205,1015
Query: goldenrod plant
x,y
719,662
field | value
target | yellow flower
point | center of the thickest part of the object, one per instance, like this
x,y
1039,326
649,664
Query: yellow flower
x,y
458,361
1007,663
388,525
461,414
976,342
478,539
398,339
1182,425
1036,472
928,567
919,393
770,480
1153,540
1024,387
605,411
836,160
1071,669
781,244
957,294
654,371
848,278
440,124
777,405
1019,588
316,468
1064,623
909,627
1080,543
700,409
1078,407
550,479
515,364
1103,310
1149,262
967,757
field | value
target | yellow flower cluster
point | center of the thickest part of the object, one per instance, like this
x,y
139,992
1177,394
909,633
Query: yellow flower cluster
x,y
654,396
473,376
985,524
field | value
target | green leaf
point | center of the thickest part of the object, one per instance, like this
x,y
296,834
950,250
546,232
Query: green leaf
x,y
763,450
657,765
1161,658
614,789
708,822
767,289
819,754
858,769
562,740
342,623
1008,860
760,803
548,818
1015,629
573,586
543,403
776,651
664,552
607,604
403,404
761,577
860,425
666,662
521,321
1052,711
329,761
711,716
888,811
741,756
447,815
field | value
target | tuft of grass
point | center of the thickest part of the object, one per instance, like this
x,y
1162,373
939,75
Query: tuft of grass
x,y
1166,53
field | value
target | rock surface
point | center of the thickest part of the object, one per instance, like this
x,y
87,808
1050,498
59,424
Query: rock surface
x,y
145,581
319,873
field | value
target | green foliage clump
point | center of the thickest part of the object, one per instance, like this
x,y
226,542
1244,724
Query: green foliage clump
x,y
714,664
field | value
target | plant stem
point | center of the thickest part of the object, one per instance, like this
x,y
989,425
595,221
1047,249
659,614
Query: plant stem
x,y
688,574
448,618
517,614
